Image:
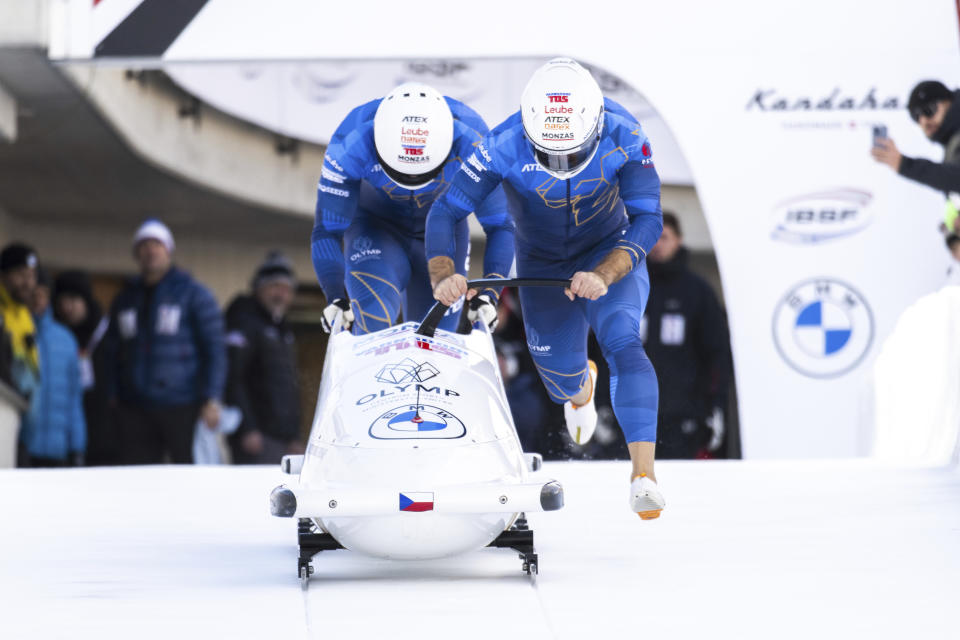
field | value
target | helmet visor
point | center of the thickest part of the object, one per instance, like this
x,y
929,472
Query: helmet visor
x,y
411,180
568,160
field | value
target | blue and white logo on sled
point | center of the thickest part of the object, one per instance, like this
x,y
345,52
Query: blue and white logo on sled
x,y
417,422
823,328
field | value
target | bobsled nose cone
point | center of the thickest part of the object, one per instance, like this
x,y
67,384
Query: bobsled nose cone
x,y
283,502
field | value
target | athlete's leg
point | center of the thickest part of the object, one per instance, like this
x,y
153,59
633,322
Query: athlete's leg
x,y
377,271
419,294
615,319
557,340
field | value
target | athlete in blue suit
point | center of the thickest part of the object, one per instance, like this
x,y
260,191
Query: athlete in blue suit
x,y
580,173
386,163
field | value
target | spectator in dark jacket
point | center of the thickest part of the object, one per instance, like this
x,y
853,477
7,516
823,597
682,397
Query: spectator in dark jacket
x,y
262,380
75,307
166,354
53,431
686,339
936,110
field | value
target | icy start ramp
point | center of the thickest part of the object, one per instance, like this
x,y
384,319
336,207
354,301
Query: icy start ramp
x,y
839,549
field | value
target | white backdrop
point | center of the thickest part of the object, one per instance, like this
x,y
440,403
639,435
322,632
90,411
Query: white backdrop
x,y
808,302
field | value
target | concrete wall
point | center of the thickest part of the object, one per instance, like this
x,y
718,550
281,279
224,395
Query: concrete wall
x,y
212,149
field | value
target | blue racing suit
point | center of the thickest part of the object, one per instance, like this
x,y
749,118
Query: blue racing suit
x,y
382,224
565,226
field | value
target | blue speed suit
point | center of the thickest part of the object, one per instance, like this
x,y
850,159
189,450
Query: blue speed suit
x,y
381,225
565,226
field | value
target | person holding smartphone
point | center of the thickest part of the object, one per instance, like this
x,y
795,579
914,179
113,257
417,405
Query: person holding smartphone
x,y
935,109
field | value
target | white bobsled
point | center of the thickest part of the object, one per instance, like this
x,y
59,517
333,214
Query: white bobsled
x,y
413,453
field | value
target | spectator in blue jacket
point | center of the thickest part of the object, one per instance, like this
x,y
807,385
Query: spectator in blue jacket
x,y
166,354
53,431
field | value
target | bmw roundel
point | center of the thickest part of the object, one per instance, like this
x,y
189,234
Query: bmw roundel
x,y
823,328
417,422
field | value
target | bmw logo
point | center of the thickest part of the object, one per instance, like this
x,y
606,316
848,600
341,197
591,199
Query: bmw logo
x,y
823,328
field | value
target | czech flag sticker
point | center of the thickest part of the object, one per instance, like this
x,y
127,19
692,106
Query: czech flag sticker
x,y
416,502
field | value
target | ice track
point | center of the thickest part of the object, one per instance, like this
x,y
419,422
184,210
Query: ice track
x,y
838,549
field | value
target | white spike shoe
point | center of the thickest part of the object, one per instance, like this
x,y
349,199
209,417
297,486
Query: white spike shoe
x,y
582,420
645,498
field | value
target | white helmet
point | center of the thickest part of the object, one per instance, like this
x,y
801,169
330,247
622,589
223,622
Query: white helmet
x,y
413,134
562,112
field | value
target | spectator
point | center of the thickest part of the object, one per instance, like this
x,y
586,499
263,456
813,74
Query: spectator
x,y
934,107
75,307
262,378
166,355
18,277
953,271
53,432
686,339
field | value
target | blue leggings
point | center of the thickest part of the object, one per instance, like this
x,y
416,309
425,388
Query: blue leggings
x,y
386,271
557,339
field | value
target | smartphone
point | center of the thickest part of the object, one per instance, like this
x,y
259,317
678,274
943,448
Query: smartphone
x,y
879,133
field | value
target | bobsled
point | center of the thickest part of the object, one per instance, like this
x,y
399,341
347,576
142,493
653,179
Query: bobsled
x,y
413,453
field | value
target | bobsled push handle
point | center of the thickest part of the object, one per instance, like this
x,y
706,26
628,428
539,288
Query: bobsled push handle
x,y
429,325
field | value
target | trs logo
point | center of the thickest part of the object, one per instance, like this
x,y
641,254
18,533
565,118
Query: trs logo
x,y
413,151
558,97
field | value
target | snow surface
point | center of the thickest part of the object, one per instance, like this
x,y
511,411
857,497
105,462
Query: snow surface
x,y
825,549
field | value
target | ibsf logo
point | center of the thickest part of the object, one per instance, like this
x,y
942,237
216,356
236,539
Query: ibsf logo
x,y
826,215
558,97
823,328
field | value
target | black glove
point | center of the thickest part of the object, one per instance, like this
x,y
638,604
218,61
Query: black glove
x,y
484,309
339,308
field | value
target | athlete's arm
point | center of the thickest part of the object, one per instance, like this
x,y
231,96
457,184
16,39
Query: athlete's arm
x,y
338,193
472,184
336,205
640,190
494,216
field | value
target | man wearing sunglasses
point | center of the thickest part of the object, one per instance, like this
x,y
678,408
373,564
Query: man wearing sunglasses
x,y
933,107
579,171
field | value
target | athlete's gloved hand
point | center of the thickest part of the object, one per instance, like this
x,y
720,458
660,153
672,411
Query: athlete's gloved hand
x,y
715,424
586,284
339,308
450,289
484,309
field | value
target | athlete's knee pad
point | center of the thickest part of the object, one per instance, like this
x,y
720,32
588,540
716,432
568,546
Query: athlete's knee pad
x,y
620,330
634,393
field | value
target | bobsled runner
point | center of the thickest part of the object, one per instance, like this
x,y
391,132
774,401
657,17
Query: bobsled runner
x,y
413,453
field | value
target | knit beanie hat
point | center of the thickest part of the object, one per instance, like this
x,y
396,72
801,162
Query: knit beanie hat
x,y
275,267
16,255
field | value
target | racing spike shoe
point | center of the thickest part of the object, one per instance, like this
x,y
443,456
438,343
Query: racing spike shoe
x,y
582,419
645,498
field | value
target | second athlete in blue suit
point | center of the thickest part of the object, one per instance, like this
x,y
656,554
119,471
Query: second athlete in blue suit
x,y
579,173
386,164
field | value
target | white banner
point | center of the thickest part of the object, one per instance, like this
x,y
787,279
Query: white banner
x,y
771,105
307,101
